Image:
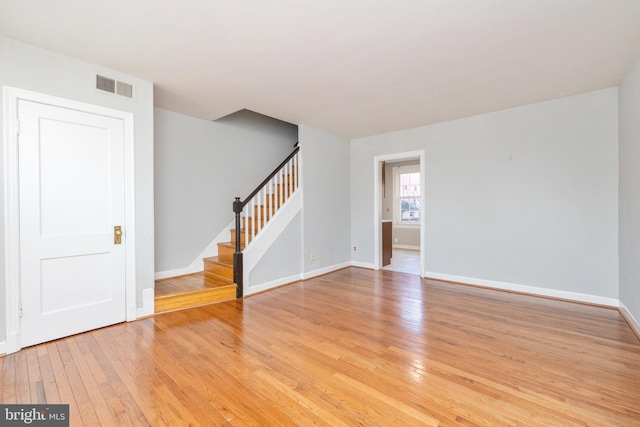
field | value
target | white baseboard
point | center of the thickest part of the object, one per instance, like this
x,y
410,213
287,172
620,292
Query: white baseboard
x,y
148,303
3,348
325,270
408,247
197,264
570,296
179,271
632,321
368,265
304,276
12,342
273,284
296,277
132,313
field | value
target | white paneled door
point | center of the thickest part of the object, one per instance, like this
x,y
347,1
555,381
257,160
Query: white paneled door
x,y
71,195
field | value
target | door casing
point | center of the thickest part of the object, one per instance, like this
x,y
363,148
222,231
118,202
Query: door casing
x,y
11,96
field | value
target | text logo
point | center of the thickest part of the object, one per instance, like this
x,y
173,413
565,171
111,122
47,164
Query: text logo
x,y
34,415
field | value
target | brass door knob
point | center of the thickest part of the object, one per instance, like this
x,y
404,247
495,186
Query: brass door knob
x,y
117,234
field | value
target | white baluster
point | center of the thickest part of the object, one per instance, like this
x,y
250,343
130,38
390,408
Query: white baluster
x,y
246,226
263,205
290,174
296,178
284,184
267,203
272,198
291,177
287,174
253,219
280,190
259,210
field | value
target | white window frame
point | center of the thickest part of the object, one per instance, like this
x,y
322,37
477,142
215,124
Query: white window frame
x,y
397,171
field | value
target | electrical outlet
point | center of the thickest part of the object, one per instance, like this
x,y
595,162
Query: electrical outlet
x,y
312,257
395,240
355,248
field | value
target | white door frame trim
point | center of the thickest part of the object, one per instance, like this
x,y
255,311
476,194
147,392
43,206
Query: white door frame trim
x,y
11,97
377,204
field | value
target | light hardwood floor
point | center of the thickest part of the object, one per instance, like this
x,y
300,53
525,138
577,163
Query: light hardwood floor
x,y
354,347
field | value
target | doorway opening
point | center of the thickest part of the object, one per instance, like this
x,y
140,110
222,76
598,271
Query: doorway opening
x,y
399,218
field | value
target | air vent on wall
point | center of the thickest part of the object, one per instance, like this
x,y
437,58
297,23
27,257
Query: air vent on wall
x,y
113,86
106,84
124,89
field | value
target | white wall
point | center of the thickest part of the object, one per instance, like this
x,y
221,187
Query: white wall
x,y
201,166
30,68
526,196
325,179
630,193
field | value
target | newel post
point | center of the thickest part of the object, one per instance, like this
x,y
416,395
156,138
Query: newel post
x,y
237,255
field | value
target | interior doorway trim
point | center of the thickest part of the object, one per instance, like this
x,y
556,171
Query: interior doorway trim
x,y
377,204
11,97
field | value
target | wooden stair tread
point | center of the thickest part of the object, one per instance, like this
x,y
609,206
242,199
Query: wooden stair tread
x,y
184,293
188,283
216,260
222,267
192,290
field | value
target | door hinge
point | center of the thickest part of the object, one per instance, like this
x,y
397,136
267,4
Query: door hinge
x,y
17,127
20,309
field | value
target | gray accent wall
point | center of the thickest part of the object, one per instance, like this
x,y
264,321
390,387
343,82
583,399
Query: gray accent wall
x,y
27,67
525,196
200,167
630,191
326,206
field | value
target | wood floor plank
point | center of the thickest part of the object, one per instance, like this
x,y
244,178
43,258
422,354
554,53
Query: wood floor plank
x,y
47,375
181,382
8,384
118,390
293,400
22,388
354,347
3,374
107,406
63,384
136,391
86,410
35,380
217,385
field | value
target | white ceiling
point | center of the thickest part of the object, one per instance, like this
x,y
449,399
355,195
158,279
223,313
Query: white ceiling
x,y
351,67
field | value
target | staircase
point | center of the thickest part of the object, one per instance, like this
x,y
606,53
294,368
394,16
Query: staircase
x,y
257,212
259,207
220,281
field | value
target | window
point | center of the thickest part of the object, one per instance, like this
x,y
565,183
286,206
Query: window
x,y
407,194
